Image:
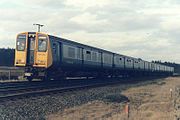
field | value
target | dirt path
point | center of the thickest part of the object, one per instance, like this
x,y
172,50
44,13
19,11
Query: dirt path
x,y
150,102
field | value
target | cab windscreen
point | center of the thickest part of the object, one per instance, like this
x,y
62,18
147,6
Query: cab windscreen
x,y
42,43
21,42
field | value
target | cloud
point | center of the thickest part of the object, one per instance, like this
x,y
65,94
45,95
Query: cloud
x,y
83,4
141,28
44,4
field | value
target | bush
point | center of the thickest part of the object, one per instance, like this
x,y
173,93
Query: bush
x,y
117,98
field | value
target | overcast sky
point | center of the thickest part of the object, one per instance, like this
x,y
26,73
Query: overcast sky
x,y
147,29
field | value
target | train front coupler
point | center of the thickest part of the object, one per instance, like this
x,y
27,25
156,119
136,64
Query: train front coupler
x,y
30,73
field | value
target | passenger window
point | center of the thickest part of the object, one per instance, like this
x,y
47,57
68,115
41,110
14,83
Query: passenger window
x,y
117,60
88,55
88,52
79,53
94,56
71,52
107,58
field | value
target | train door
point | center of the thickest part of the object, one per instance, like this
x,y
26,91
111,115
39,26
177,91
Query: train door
x,y
31,48
56,52
100,58
80,55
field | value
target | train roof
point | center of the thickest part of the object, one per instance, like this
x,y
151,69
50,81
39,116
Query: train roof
x,y
73,42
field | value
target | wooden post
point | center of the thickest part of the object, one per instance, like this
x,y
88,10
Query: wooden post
x,y
171,92
127,110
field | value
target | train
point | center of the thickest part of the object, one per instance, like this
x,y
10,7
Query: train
x,y
47,57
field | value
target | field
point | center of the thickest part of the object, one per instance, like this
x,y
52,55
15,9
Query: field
x,y
148,100
155,101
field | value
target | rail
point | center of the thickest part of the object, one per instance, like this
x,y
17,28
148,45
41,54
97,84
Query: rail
x,y
33,89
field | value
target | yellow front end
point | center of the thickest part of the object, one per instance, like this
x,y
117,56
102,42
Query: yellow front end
x,y
21,49
20,59
33,50
43,58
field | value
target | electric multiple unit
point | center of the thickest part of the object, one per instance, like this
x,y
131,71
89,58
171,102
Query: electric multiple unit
x,y
46,56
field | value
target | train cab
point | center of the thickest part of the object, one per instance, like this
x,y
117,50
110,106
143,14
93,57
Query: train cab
x,y
33,52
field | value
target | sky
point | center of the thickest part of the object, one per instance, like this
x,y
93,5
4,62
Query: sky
x,y
147,29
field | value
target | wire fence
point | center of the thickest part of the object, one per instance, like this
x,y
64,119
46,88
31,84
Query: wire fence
x,y
177,103
9,73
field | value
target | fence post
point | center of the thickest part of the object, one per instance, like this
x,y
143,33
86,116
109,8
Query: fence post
x,y
127,110
171,92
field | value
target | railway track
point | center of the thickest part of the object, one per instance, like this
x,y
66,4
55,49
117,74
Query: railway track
x,y
11,91
42,89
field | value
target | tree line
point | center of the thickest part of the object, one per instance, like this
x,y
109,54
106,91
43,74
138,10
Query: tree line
x,y
7,57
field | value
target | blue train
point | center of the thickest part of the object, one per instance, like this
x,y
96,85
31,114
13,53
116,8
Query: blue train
x,y
46,56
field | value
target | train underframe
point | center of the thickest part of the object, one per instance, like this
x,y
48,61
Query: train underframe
x,y
35,73
55,73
